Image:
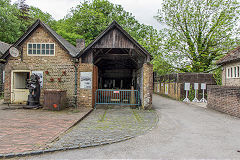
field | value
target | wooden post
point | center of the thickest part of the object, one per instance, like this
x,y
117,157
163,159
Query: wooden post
x,y
132,98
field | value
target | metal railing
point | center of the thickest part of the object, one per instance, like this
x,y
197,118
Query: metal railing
x,y
117,97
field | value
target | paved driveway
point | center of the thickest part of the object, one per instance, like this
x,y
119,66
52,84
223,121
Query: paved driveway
x,y
183,132
23,130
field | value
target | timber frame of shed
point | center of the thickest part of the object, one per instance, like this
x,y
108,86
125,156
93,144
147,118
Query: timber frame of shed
x,y
114,60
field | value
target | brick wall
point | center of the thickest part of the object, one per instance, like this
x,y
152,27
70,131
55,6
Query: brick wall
x,y
173,89
85,96
147,85
230,81
225,99
55,65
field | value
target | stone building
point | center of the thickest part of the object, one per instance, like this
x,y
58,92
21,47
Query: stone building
x,y
113,61
231,68
226,98
3,48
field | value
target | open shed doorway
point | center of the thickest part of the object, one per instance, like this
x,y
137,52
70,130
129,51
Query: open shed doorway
x,y
117,69
121,64
120,76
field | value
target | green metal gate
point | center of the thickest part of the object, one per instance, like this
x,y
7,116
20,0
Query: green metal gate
x,y
117,97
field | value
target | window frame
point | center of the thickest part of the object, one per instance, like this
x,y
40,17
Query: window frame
x,y
233,72
47,55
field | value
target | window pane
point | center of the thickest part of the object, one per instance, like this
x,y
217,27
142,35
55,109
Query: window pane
x,y
52,52
38,51
51,46
231,72
43,46
43,51
29,51
38,46
29,46
34,51
47,46
228,72
47,51
235,71
34,46
238,71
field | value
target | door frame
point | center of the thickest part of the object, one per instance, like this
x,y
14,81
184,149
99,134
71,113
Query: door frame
x,y
12,72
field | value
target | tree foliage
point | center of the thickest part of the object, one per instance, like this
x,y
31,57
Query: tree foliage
x,y
198,32
16,18
9,22
88,19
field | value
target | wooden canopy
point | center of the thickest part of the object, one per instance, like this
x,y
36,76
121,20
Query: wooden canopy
x,y
115,48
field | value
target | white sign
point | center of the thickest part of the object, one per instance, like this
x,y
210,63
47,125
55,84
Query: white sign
x,y
158,88
187,86
86,80
40,74
203,85
196,86
166,88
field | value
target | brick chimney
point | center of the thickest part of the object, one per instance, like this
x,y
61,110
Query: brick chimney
x,y
80,44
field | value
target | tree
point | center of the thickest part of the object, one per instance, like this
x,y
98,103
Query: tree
x,y
29,14
9,23
198,32
36,13
16,18
90,18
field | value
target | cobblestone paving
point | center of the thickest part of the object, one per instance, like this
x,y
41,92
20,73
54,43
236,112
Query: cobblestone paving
x,y
105,126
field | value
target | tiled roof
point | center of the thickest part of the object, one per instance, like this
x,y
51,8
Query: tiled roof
x,y
233,55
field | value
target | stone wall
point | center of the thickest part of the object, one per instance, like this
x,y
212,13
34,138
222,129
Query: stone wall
x,y
225,99
147,85
1,80
230,81
55,65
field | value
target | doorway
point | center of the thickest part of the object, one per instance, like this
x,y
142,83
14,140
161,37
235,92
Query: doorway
x,y
19,91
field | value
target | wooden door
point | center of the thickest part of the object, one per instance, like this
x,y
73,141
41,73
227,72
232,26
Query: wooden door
x,y
19,93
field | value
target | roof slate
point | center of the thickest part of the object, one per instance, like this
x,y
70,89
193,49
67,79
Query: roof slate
x,y
4,47
233,55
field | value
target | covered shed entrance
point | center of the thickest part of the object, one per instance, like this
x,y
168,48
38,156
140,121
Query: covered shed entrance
x,y
120,62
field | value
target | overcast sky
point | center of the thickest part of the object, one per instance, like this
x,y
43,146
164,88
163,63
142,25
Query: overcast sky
x,y
143,10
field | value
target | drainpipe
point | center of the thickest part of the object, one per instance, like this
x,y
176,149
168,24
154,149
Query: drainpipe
x,y
75,60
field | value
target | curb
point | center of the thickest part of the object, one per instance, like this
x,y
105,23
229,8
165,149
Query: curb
x,y
38,152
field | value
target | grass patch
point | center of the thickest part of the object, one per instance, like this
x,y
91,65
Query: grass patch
x,y
137,116
103,116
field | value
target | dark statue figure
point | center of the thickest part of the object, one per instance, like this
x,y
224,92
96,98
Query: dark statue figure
x,y
33,84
